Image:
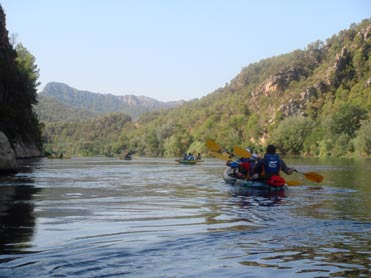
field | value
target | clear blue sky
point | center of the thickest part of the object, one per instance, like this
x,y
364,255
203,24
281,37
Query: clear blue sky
x,y
167,49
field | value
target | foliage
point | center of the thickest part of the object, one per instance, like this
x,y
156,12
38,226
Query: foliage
x,y
347,119
362,141
290,134
93,137
18,82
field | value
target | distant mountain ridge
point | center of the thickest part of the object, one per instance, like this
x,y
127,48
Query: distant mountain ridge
x,y
99,103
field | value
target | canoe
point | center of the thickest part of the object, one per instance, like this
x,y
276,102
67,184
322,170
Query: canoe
x,y
249,184
127,157
58,157
187,162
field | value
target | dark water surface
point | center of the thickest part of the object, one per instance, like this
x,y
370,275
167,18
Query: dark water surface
x,y
98,217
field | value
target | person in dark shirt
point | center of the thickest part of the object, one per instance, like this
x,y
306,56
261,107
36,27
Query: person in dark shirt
x,y
270,165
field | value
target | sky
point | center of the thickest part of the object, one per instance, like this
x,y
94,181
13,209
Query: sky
x,y
167,49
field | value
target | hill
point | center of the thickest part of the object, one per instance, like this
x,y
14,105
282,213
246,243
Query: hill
x,y
98,103
50,110
95,136
315,101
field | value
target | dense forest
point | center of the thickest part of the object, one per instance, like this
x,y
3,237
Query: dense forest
x,y
97,136
310,102
18,82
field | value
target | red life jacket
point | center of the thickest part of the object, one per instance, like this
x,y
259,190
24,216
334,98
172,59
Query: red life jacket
x,y
276,181
245,165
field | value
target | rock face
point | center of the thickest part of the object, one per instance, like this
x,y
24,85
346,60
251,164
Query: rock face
x,y
26,150
7,155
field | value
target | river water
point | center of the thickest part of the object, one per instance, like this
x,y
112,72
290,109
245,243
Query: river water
x,y
101,217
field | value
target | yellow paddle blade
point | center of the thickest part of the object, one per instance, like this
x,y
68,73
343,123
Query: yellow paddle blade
x,y
238,151
293,183
223,156
213,146
313,176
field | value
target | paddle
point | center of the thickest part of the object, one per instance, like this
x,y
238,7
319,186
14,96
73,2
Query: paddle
x,y
293,183
241,152
312,176
222,156
213,146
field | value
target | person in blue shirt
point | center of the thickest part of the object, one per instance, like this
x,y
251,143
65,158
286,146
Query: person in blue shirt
x,y
270,165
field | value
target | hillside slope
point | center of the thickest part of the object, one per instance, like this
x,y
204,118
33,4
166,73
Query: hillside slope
x,y
314,101
50,110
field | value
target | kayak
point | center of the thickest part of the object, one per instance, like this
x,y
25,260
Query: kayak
x,y
249,183
188,162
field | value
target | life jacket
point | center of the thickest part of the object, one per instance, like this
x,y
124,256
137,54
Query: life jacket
x,y
272,164
276,180
244,166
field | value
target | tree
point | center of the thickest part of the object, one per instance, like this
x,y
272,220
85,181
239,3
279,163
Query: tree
x,y
29,73
347,119
291,133
362,142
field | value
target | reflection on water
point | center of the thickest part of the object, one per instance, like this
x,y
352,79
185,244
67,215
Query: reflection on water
x,y
17,220
98,217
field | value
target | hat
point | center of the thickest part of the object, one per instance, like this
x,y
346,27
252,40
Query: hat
x,y
254,156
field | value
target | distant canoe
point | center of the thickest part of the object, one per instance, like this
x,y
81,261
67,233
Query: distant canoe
x,y
187,162
59,157
127,157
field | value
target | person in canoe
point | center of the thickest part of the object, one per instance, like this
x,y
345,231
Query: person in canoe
x,y
198,157
268,168
190,157
243,166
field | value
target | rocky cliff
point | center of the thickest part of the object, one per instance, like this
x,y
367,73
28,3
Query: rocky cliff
x,y
7,155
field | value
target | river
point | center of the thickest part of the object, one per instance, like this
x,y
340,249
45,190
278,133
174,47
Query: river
x,y
105,217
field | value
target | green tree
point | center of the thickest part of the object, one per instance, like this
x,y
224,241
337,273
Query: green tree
x,y
362,142
291,133
347,119
29,72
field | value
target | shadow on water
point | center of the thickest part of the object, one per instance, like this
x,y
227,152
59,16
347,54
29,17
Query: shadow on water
x,y
17,220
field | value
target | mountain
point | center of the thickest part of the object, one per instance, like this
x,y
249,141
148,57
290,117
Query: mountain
x,y
98,103
49,109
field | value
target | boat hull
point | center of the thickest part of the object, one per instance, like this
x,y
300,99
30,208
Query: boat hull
x,y
187,162
248,183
